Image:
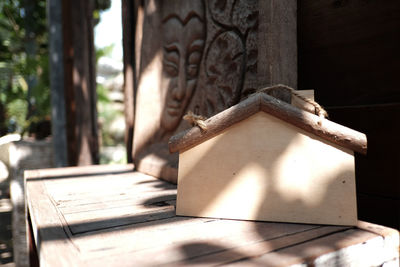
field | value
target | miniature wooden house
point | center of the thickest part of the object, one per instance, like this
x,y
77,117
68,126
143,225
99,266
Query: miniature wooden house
x,y
264,159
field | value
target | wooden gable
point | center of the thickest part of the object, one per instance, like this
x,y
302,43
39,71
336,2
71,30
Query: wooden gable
x,y
260,165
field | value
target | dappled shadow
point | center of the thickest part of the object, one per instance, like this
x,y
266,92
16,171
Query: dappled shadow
x,y
194,250
198,241
160,201
155,208
230,241
158,184
274,196
270,169
272,240
93,227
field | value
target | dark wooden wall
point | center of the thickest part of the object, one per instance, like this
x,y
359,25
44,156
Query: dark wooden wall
x,y
349,53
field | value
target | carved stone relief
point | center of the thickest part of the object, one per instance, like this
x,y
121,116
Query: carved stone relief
x,y
195,55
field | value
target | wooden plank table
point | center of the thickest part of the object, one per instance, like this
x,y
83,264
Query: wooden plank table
x,y
113,216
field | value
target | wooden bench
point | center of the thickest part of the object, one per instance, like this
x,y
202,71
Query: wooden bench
x,y
113,216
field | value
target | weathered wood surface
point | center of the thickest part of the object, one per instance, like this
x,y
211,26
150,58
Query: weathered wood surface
x,y
277,43
324,128
98,216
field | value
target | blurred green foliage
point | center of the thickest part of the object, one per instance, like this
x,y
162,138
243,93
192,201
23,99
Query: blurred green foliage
x,y
100,5
112,149
107,113
24,83
24,63
105,51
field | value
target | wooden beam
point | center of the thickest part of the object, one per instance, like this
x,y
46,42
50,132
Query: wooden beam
x,y
277,43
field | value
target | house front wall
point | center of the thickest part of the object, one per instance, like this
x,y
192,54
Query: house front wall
x,y
266,169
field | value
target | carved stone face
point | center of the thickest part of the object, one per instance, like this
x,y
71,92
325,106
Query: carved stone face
x,y
183,44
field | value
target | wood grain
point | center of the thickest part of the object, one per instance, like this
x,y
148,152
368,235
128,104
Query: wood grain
x,y
204,243
341,249
324,128
268,160
49,230
242,252
348,51
67,202
277,43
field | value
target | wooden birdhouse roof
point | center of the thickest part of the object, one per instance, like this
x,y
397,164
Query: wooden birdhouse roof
x,y
328,130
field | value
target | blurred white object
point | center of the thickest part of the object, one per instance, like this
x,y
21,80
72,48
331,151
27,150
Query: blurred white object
x,y
9,138
3,172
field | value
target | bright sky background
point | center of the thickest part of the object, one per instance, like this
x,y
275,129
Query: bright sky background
x,y
109,30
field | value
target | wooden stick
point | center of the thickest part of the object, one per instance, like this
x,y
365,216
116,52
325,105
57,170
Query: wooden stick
x,y
324,128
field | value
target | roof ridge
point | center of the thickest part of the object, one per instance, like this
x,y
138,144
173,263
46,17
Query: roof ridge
x,y
309,122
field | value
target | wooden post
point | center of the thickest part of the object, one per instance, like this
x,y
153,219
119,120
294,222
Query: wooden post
x,y
129,17
58,121
80,89
277,43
